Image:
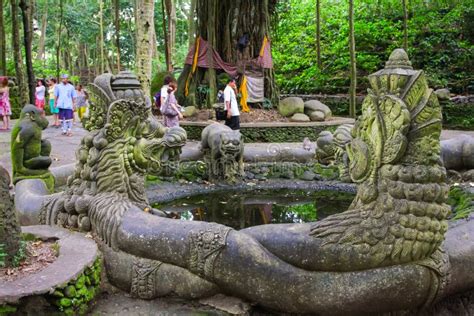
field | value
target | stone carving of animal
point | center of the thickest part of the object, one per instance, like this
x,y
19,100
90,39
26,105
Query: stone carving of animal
x,y
223,150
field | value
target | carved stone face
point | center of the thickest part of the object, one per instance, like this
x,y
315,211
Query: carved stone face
x,y
230,143
32,113
153,154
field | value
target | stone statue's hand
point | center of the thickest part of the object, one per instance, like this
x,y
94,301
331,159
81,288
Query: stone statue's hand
x,y
40,162
45,147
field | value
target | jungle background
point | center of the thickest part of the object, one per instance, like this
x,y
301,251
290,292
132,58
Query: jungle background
x,y
44,38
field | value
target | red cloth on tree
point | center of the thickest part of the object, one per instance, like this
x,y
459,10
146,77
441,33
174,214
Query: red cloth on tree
x,y
204,62
265,61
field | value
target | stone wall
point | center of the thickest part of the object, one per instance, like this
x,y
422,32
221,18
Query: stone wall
x,y
277,132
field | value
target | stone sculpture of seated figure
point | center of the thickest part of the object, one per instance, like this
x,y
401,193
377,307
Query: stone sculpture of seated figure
x,y
30,153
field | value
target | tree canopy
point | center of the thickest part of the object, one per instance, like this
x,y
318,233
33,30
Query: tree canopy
x,y
79,38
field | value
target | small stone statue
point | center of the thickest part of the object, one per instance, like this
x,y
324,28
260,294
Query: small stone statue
x,y
223,151
30,153
331,149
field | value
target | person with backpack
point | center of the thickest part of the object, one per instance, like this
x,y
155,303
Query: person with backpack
x,y
171,109
160,96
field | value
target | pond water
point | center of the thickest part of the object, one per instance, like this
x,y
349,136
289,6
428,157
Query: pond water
x,y
244,209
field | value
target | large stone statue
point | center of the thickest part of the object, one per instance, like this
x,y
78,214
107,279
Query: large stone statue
x,y
223,152
384,254
125,143
30,153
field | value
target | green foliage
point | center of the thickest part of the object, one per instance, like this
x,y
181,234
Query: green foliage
x,y
461,202
20,255
440,42
458,116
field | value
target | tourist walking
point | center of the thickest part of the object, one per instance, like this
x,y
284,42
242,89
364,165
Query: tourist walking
x,y
81,101
64,100
230,99
171,109
5,107
52,109
164,92
40,96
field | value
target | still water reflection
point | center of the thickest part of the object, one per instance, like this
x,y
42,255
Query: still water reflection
x,y
244,209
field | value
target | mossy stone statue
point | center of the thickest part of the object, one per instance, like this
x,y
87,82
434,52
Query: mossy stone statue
x,y
30,153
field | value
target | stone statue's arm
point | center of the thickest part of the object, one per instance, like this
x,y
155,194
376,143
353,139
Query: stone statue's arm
x,y
18,152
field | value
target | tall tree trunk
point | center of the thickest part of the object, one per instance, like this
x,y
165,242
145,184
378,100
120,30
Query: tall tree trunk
x,y
229,21
166,37
171,18
353,87
101,35
3,44
117,30
58,43
17,56
212,41
191,23
318,33
41,48
27,14
144,50
405,25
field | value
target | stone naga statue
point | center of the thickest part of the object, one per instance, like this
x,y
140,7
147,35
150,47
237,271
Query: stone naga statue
x,y
223,152
30,153
384,254
457,153
125,143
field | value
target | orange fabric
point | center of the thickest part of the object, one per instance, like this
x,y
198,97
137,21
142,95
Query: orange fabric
x,y
186,87
196,54
262,49
244,95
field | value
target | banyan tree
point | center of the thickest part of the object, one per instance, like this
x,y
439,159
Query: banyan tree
x,y
232,39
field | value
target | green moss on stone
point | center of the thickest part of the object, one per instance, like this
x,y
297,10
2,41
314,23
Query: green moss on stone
x,y
73,298
269,134
70,291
